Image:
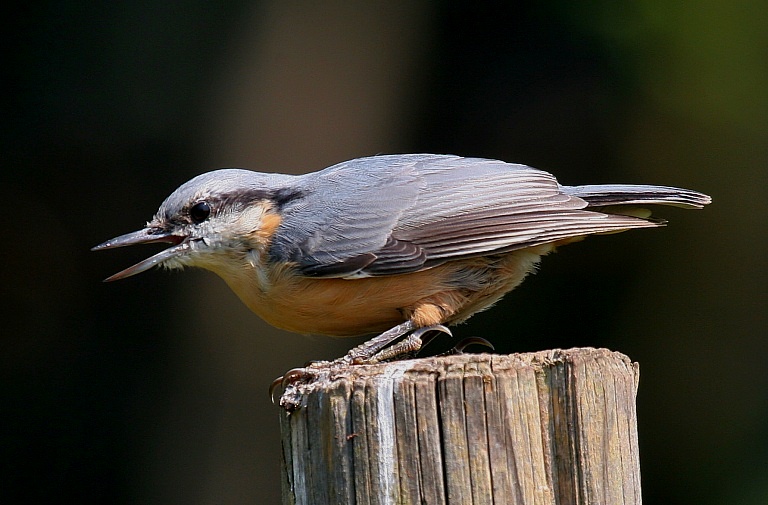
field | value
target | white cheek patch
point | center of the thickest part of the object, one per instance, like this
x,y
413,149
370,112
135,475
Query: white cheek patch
x,y
248,220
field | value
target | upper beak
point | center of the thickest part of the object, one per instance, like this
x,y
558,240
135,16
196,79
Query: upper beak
x,y
145,236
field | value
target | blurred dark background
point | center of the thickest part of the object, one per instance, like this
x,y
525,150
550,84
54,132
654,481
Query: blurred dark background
x,y
153,389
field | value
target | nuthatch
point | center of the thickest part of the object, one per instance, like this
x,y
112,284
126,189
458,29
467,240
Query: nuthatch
x,y
395,244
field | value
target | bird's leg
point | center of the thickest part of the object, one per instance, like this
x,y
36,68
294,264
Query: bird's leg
x,y
365,351
361,354
296,381
412,343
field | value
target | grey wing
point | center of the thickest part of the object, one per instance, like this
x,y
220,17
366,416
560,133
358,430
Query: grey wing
x,y
480,207
402,213
346,215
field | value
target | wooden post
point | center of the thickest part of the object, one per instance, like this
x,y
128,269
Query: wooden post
x,y
551,427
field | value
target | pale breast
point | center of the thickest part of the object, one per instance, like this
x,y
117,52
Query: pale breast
x,y
445,294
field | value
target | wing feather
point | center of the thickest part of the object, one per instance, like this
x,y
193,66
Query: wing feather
x,y
401,213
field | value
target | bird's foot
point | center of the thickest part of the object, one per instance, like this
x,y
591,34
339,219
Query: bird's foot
x,y
363,352
298,381
410,345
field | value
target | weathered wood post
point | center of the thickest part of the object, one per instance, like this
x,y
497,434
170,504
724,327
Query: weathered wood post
x,y
551,427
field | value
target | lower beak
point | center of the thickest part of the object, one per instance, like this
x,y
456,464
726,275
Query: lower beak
x,y
145,236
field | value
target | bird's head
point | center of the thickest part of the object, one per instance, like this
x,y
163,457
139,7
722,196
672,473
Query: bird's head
x,y
213,221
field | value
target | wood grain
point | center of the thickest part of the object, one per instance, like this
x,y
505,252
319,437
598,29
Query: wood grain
x,y
552,427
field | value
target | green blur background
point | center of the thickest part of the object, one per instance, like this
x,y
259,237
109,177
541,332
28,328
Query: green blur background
x,y
153,390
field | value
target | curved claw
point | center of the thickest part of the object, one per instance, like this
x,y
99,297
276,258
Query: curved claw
x,y
459,347
429,333
292,375
296,374
435,327
273,386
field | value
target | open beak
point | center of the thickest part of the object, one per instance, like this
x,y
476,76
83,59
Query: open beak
x,y
145,236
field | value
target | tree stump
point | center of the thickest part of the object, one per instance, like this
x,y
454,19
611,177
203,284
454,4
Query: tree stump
x,y
551,427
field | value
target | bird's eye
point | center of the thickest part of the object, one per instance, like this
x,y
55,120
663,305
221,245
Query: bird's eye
x,y
200,212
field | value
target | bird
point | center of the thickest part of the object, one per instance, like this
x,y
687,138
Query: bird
x,y
394,245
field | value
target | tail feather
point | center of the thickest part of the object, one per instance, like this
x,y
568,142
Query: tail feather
x,y
602,195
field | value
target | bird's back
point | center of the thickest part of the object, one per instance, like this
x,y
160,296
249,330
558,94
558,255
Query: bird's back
x,y
394,214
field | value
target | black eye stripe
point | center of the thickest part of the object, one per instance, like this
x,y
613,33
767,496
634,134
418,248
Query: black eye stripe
x,y
199,212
